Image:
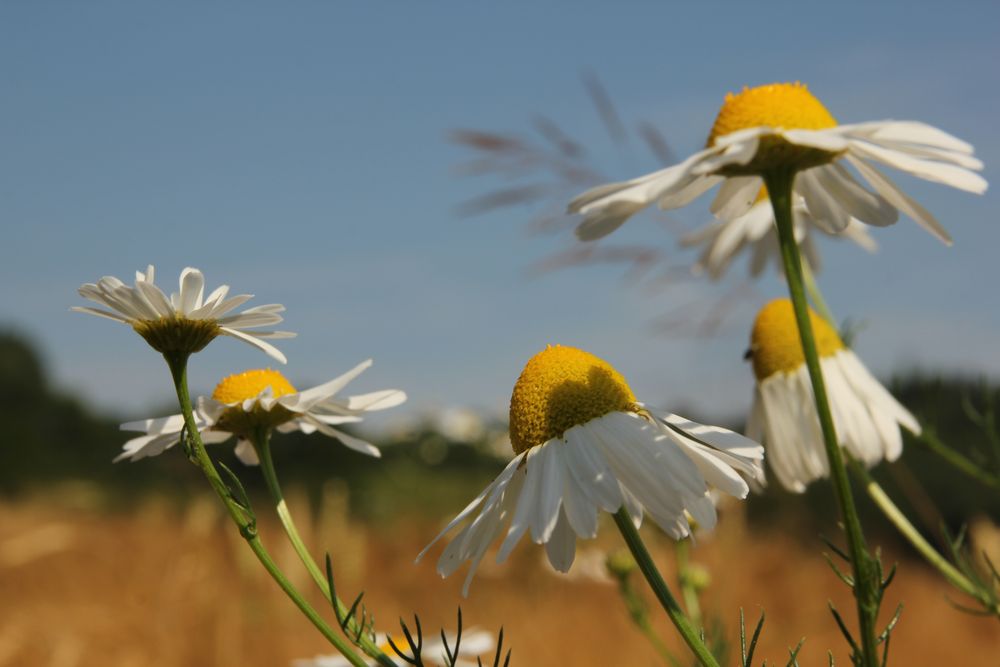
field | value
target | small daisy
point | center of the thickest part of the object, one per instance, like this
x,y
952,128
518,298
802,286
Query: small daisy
x,y
866,417
185,322
781,126
473,644
755,230
248,401
583,443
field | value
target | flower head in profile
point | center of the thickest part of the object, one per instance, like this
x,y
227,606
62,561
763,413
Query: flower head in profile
x,y
866,417
755,232
187,321
782,126
263,399
472,645
583,443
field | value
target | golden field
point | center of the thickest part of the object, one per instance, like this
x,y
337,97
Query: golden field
x,y
171,584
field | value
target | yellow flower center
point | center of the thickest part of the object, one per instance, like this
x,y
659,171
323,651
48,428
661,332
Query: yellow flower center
x,y
248,384
786,105
241,386
789,106
562,387
775,346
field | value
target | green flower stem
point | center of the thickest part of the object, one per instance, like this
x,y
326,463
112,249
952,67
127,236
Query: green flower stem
x,y
663,594
898,519
688,590
247,526
957,460
816,296
867,587
262,444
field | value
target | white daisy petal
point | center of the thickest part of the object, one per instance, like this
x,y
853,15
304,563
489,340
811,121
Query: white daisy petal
x,y
357,444
738,152
192,286
550,484
178,320
258,394
306,399
561,546
687,194
915,132
955,176
735,197
824,140
526,503
269,349
500,482
580,509
900,200
826,209
859,203
100,313
620,459
246,453
377,400
155,297
834,201
590,470
866,417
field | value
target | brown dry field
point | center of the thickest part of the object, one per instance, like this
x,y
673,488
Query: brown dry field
x,y
169,585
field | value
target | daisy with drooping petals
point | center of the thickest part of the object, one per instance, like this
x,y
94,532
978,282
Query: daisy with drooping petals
x,y
473,643
258,399
866,416
782,126
186,321
755,231
583,443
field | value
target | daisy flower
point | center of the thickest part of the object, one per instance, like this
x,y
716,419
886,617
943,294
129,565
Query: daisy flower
x,y
473,644
583,443
755,231
246,402
782,126
866,417
186,321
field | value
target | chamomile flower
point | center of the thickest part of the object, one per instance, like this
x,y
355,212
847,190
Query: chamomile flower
x,y
473,644
755,232
583,443
866,417
186,321
782,126
255,399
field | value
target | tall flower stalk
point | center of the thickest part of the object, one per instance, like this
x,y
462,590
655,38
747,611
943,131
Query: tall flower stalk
x,y
866,582
666,599
240,514
261,440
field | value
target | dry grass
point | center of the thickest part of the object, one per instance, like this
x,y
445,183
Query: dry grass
x,y
170,586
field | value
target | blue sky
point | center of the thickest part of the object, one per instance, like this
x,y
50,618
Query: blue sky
x,y
300,152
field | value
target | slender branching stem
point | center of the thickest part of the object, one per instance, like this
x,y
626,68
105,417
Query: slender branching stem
x,y
867,587
913,536
261,441
239,514
667,601
957,460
